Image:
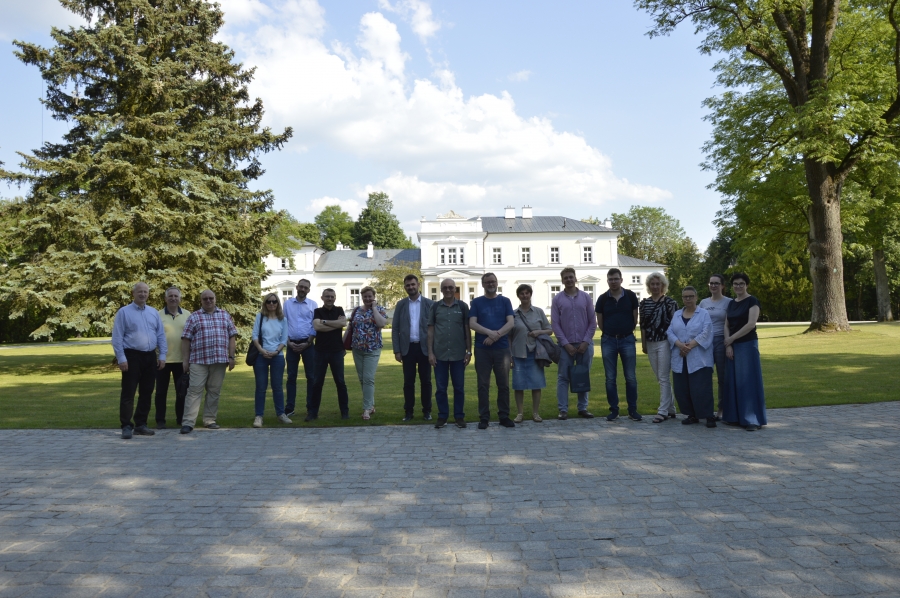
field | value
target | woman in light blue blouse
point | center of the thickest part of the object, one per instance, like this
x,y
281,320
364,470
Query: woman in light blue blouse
x,y
270,335
691,339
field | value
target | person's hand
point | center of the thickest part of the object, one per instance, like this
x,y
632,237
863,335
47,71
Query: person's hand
x,y
728,342
494,335
431,359
185,366
123,366
295,347
534,333
570,349
582,348
399,357
729,352
160,364
230,363
467,359
488,342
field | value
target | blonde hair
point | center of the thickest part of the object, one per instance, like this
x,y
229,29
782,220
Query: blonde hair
x,y
278,311
657,276
365,290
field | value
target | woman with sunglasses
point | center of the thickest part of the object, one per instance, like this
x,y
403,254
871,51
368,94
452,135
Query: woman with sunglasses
x,y
716,305
690,338
745,401
270,335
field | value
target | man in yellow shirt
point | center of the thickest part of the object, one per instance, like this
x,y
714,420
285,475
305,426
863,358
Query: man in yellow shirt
x,y
173,319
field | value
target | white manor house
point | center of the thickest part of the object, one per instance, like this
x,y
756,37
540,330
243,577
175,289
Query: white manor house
x,y
518,249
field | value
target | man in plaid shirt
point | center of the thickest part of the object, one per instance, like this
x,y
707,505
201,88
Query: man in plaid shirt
x,y
208,346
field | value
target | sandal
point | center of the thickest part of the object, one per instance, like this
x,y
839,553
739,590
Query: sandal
x,y
537,418
660,418
366,413
519,419
372,410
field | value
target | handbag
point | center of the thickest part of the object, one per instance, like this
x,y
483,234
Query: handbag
x,y
252,351
348,336
546,350
579,378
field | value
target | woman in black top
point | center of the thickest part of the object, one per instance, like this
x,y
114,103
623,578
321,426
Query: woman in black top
x,y
656,312
745,404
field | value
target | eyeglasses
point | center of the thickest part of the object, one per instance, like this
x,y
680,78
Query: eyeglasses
x,y
448,288
739,284
208,299
715,284
272,302
689,296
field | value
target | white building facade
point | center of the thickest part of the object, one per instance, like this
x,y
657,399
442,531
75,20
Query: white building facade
x,y
516,248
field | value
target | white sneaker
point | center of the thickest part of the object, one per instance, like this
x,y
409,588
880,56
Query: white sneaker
x,y
284,419
257,422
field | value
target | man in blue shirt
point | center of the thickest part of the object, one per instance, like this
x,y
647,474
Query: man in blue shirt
x,y
299,313
491,317
617,315
136,335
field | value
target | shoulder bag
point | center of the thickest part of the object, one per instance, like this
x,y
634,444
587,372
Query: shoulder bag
x,y
348,336
252,351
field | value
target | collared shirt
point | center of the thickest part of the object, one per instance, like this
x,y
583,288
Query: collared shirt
x,y
174,325
492,314
138,328
618,314
573,318
449,321
415,310
520,342
698,328
209,334
367,336
299,315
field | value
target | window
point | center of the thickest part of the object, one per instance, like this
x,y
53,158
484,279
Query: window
x,y
451,255
636,279
554,291
443,256
499,290
287,293
434,293
285,263
554,255
587,255
496,255
526,255
589,289
354,298
462,258
471,293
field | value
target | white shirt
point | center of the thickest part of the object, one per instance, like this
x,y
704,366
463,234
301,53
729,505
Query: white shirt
x,y
415,309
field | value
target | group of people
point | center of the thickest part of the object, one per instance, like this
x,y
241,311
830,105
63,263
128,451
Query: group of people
x,y
436,336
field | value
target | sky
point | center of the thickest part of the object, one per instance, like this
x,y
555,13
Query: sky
x,y
568,107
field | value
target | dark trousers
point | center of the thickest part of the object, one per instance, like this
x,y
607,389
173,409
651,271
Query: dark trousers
x,y
416,360
334,360
444,372
496,361
140,377
308,356
175,370
694,392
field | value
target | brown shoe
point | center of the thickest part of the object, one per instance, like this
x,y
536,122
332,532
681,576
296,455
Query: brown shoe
x,y
585,414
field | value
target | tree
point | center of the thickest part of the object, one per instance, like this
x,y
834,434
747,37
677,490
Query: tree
x,y
685,268
288,234
388,280
337,225
648,233
377,223
805,78
151,181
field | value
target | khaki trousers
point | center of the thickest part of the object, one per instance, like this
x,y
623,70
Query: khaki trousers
x,y
209,377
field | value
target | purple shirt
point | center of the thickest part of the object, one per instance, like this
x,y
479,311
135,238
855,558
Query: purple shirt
x,y
573,319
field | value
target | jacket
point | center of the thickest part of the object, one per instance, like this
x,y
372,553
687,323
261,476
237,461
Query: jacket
x,y
546,351
400,326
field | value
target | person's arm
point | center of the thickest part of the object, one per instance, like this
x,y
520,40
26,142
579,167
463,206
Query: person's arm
x,y
185,353
474,325
588,337
510,324
118,341
468,334
431,358
161,343
232,347
752,317
282,342
705,338
400,316
380,320
338,323
556,323
545,327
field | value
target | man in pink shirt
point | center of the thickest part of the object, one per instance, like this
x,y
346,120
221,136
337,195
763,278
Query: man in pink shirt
x,y
573,322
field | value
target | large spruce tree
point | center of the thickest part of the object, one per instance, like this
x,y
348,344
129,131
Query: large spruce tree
x,y
151,181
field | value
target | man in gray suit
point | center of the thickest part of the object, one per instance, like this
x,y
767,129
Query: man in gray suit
x,y
409,338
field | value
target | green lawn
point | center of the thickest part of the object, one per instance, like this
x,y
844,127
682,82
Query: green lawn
x,y
46,386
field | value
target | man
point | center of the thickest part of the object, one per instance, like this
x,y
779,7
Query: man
x,y
617,315
449,344
328,322
137,334
173,320
299,312
409,334
572,319
207,349
491,317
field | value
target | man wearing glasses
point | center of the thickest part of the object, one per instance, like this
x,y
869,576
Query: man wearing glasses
x,y
449,351
491,317
299,312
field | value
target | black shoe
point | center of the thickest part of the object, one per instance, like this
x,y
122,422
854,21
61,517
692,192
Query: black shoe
x,y
440,423
563,415
507,423
689,420
289,412
144,431
635,416
310,417
408,417
160,425
186,429
345,416
612,416
585,414
460,422
127,432
427,417
710,422
483,424
752,428
213,426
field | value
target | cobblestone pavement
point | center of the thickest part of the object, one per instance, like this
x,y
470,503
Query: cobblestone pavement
x,y
805,507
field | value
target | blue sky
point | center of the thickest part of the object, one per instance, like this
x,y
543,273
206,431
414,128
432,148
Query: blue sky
x,y
568,107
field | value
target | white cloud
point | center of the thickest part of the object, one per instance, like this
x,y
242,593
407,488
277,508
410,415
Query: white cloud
x,y
351,206
519,76
415,12
21,20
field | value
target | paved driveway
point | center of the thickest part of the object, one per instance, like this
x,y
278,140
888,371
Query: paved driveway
x,y
806,507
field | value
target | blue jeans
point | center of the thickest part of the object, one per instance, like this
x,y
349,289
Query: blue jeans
x,y
444,372
562,378
293,358
612,348
261,370
496,361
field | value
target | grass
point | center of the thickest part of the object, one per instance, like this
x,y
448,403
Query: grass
x,y
75,386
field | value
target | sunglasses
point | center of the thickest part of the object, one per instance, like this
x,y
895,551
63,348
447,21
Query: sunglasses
x,y
272,302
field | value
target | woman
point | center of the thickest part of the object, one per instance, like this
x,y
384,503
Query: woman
x,y
716,305
691,342
367,321
531,322
270,335
745,401
656,312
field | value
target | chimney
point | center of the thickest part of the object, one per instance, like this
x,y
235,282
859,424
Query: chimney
x,y
607,223
370,250
526,212
339,246
510,213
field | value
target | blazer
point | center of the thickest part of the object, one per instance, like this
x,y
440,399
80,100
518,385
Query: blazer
x,y
698,328
400,326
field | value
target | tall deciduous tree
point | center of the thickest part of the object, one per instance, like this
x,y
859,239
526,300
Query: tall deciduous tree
x,y
151,181
816,79
388,280
648,233
377,223
337,225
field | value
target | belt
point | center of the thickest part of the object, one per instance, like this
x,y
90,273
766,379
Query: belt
x,y
619,336
299,340
142,352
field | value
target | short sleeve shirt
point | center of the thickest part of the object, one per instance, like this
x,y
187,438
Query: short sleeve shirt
x,y
366,336
209,334
449,321
618,315
717,311
526,321
656,316
333,339
492,314
738,316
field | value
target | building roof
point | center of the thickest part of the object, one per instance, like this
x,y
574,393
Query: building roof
x,y
633,262
538,224
355,260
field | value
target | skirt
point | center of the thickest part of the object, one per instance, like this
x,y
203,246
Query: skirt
x,y
527,374
745,400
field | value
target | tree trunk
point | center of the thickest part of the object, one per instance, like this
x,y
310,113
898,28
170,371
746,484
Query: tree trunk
x,y
882,287
826,265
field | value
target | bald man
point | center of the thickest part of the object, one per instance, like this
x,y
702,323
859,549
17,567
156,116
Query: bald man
x,y
137,335
449,351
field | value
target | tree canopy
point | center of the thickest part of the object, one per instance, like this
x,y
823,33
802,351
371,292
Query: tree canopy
x,y
388,280
337,226
648,233
151,181
378,224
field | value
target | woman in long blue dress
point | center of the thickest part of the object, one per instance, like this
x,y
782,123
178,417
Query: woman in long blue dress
x,y
745,403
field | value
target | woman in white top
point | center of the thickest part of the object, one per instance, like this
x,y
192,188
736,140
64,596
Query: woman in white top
x,y
716,305
270,335
691,340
